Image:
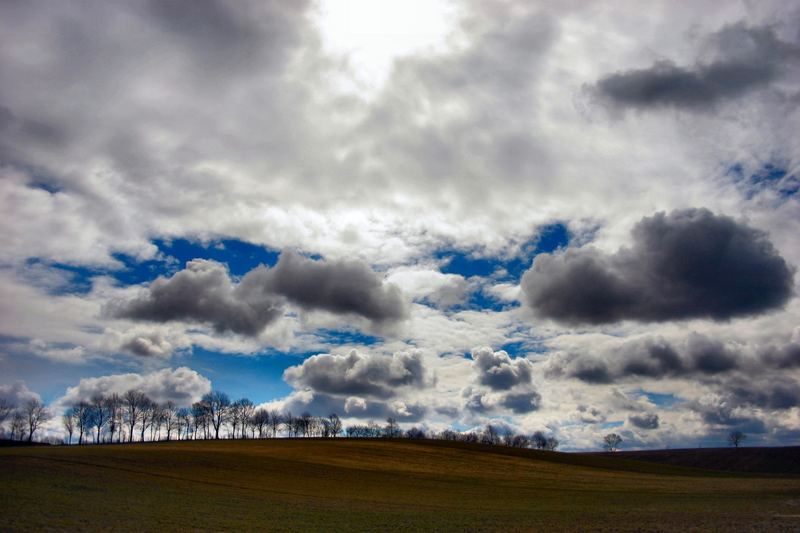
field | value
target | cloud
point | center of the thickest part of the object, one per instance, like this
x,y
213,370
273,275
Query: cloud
x,y
749,58
322,404
644,421
357,374
521,402
498,370
148,345
690,263
17,393
181,385
204,292
338,286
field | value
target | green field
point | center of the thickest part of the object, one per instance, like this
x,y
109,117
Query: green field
x,y
339,484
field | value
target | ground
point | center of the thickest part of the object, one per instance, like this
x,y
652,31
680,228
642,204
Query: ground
x,y
345,484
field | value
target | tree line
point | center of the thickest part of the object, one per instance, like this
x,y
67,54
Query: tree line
x,y
135,417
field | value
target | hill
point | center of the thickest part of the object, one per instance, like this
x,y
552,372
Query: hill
x,y
343,484
765,460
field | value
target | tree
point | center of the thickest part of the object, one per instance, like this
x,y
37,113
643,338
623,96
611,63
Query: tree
x,y
147,412
37,414
218,404
392,429
335,426
490,435
68,421
99,412
169,414
81,412
552,444
275,421
260,421
132,403
184,416
17,426
114,412
735,438
6,408
611,442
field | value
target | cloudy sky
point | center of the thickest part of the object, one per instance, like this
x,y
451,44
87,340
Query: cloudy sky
x,y
573,216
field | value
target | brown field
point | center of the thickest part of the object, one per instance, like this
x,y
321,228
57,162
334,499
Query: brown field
x,y
378,485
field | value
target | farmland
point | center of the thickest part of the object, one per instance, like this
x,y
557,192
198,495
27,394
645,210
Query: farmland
x,y
352,484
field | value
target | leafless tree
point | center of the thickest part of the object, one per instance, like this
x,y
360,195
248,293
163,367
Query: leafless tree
x,y
114,411
218,405
490,435
146,415
99,414
184,417
37,414
68,421
169,414
611,442
275,422
735,438
247,409
392,429
17,426
132,403
260,421
81,412
335,426
6,408
552,444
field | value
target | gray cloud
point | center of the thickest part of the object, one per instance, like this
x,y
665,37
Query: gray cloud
x,y
522,402
688,264
321,404
644,421
148,345
205,293
498,370
339,286
358,374
749,58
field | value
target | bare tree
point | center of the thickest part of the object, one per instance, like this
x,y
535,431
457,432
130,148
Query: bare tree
x,y
552,444
735,438
6,408
99,413
490,435
392,429
246,410
68,421
611,442
275,422
81,412
169,414
37,414
335,426
17,426
114,412
218,405
132,403
146,415
184,417
260,421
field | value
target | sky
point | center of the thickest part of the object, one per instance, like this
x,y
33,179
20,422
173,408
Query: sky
x,y
575,217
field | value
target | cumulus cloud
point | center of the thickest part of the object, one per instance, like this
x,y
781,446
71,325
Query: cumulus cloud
x,y
181,385
338,286
17,393
644,420
498,370
749,58
687,264
357,374
204,292
322,404
148,345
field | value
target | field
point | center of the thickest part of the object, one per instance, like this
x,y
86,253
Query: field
x,y
303,485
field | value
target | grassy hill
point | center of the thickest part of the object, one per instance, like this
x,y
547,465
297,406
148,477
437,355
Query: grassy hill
x,y
302,485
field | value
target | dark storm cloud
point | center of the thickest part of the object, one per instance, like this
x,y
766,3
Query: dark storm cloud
x,y
769,392
787,356
688,264
205,293
147,345
749,58
498,370
340,286
644,421
358,374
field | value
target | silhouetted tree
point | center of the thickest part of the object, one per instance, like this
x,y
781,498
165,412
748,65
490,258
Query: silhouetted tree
x,y
611,442
415,433
133,402
169,415
36,414
335,427
218,405
735,438
490,435
147,412
68,421
99,411
392,429
184,418
552,444
7,407
82,413
260,421
17,426
114,410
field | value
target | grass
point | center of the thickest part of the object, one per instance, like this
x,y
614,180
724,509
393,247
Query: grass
x,y
305,485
